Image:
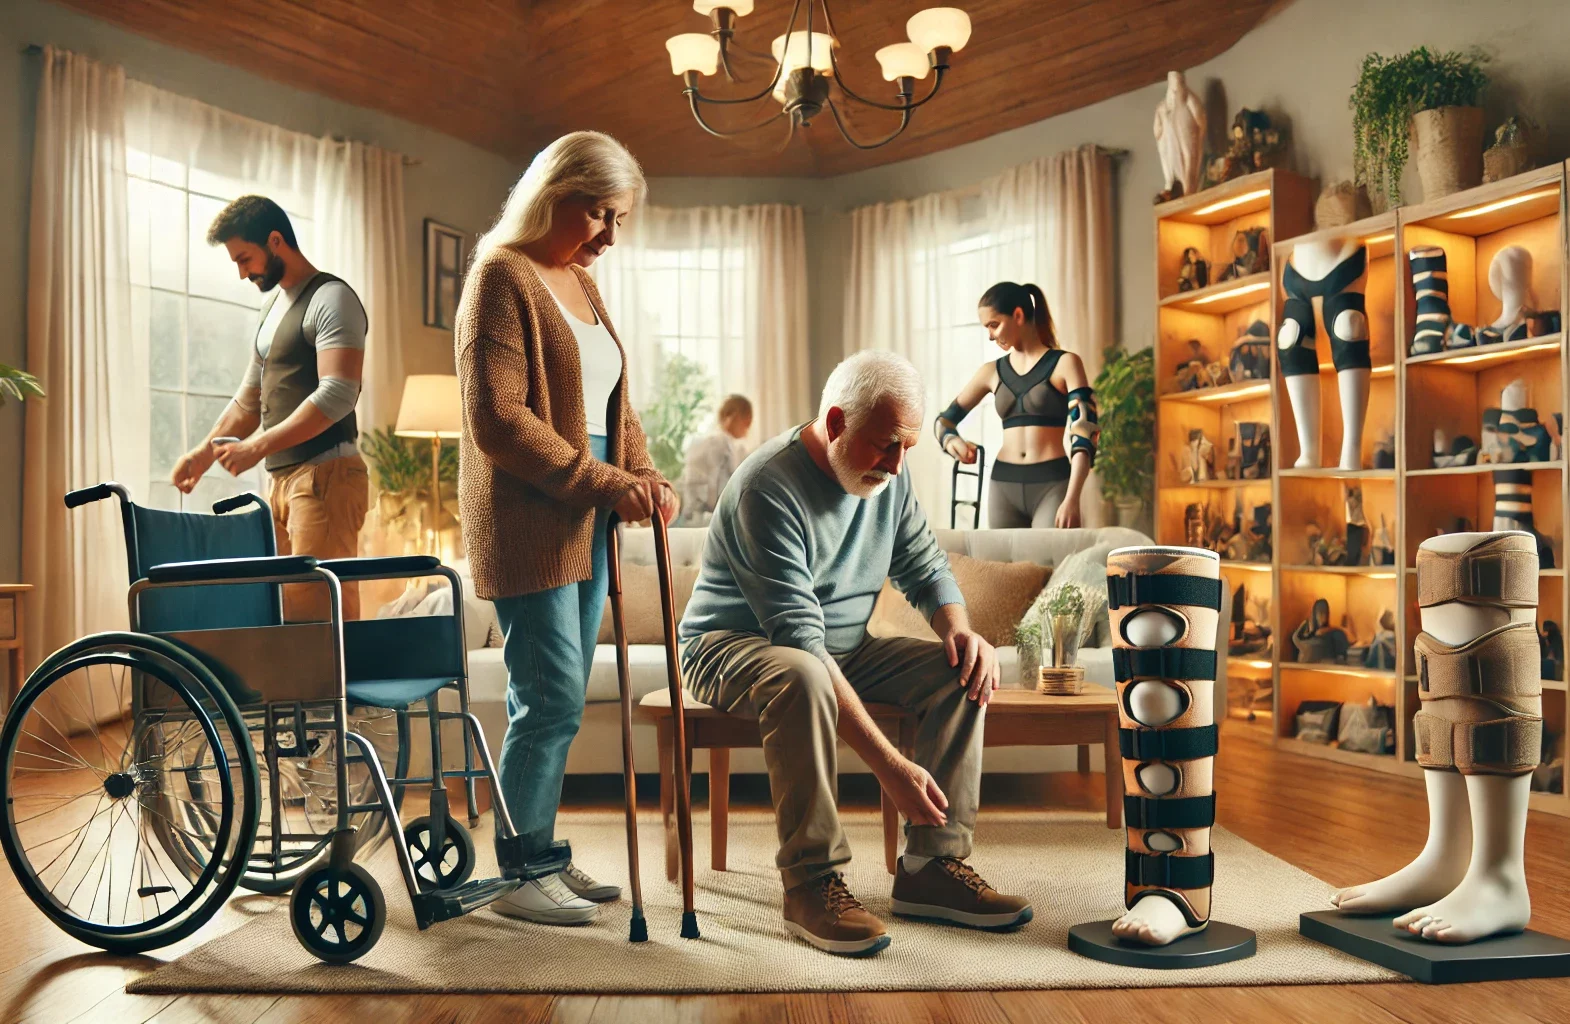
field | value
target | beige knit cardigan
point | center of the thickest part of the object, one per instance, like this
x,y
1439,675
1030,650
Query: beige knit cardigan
x,y
528,485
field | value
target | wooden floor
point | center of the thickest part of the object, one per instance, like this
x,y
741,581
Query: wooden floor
x,y
1340,823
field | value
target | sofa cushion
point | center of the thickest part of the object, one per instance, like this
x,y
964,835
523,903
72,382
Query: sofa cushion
x,y
997,595
640,587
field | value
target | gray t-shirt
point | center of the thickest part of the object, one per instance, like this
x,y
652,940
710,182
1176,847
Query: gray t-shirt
x,y
793,557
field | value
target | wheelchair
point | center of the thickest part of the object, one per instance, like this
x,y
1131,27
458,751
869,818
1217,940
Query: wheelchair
x,y
146,774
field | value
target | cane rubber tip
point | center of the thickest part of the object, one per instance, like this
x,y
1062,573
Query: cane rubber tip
x,y
689,924
640,928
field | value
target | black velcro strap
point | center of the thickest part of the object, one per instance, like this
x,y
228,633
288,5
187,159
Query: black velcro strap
x,y
1178,812
1162,663
1130,590
1167,871
1168,744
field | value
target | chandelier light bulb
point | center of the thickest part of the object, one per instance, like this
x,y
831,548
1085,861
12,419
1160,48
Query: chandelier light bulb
x,y
939,27
737,7
693,51
793,55
903,60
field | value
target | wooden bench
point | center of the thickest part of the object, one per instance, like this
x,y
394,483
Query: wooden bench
x,y
1014,718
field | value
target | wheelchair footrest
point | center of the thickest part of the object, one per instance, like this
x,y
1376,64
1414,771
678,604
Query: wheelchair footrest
x,y
517,863
445,904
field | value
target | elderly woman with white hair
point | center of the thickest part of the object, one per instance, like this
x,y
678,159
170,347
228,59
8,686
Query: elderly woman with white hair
x,y
803,537
551,446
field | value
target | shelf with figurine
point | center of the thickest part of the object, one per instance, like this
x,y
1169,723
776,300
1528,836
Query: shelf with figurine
x,y
1479,357
1521,497
1475,415
1339,526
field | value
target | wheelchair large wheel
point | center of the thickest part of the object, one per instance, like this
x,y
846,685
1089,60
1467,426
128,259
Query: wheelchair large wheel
x,y
98,789
306,811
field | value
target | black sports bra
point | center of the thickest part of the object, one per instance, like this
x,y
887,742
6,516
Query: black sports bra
x,y
1031,400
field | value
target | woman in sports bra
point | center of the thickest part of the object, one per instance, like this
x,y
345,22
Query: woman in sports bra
x,y
1041,393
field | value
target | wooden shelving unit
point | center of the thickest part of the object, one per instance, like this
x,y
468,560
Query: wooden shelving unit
x,y
1409,398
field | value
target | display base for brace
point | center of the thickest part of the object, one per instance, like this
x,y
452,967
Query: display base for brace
x,y
1502,958
1217,944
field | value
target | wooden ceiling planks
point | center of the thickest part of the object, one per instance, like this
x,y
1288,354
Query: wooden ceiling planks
x,y
510,75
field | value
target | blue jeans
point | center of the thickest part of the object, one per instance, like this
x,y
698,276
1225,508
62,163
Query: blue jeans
x,y
548,647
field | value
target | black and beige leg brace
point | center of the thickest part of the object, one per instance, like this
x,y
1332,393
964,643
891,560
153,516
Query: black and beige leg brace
x,y
1168,765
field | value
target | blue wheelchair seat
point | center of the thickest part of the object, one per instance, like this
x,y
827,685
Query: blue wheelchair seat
x,y
394,694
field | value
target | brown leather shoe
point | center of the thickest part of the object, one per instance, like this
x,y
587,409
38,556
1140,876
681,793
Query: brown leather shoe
x,y
948,889
823,913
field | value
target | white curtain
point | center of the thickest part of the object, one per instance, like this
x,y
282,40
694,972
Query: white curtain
x,y
92,427
918,267
725,287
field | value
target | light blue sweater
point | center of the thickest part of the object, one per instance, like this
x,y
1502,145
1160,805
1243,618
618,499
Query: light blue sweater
x,y
791,556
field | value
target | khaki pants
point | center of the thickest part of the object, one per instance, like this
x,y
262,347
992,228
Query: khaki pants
x,y
318,510
790,694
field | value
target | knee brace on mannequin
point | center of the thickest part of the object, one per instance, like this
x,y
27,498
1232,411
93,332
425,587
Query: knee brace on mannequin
x,y
1482,700
1341,309
1165,604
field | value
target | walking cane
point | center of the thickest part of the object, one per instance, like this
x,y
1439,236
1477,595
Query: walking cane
x,y
640,927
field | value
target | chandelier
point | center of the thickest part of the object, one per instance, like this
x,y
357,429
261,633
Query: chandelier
x,y
804,61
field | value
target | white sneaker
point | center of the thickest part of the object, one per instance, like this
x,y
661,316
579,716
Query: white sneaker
x,y
579,882
546,901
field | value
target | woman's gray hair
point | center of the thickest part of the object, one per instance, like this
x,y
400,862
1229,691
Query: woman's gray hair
x,y
859,383
589,165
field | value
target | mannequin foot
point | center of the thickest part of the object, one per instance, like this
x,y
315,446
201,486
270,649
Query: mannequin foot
x,y
1420,883
1352,461
1306,461
1484,904
1153,920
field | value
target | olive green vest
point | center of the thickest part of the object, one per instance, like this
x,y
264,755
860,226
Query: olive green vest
x,y
289,377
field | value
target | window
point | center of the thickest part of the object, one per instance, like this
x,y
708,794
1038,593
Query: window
x,y
195,315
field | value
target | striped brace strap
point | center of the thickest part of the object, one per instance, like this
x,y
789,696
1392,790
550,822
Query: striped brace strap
x,y
1168,744
1133,589
1162,663
1172,812
1168,871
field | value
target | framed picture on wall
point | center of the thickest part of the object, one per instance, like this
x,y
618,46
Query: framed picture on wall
x,y
445,253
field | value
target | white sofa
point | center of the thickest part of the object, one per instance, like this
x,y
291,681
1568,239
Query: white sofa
x,y
597,748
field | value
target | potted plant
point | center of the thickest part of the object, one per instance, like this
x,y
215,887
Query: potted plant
x,y
402,470
1431,99
18,384
676,414
1126,394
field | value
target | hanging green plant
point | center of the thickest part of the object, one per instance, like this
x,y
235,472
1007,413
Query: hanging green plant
x,y
1389,91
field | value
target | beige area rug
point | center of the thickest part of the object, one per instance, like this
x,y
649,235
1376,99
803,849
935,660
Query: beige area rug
x,y
1070,865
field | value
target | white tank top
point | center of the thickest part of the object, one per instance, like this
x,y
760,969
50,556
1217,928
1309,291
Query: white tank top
x,y
601,360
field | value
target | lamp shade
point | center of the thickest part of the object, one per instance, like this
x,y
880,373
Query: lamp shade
x,y
794,53
939,26
431,406
706,7
903,60
693,51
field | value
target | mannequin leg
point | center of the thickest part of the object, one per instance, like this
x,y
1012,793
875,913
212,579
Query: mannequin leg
x,y
1354,412
1435,871
1303,390
1165,603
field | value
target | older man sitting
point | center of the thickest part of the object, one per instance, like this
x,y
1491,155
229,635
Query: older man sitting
x,y
803,537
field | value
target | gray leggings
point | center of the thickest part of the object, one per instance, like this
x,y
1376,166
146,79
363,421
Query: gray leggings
x,y
1020,496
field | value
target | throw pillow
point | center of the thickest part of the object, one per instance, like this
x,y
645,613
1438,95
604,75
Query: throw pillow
x,y
640,586
997,595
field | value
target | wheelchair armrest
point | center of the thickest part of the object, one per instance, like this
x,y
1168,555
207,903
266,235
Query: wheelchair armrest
x,y
389,567
231,569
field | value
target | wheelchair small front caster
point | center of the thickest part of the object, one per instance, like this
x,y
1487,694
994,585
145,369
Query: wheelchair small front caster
x,y
446,868
337,913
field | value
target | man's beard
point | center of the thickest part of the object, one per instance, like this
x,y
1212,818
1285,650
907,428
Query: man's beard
x,y
855,480
268,280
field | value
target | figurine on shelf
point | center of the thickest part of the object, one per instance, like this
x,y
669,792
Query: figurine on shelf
x,y
1250,359
1180,139
1381,652
1249,634
1253,451
1551,642
1385,452
1259,532
1198,370
1234,461
1356,525
1201,458
1384,550
1250,254
1324,550
1316,640
1460,452
1194,525
1252,145
1195,271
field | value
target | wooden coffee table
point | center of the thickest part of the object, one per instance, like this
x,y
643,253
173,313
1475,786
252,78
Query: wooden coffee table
x,y
1025,718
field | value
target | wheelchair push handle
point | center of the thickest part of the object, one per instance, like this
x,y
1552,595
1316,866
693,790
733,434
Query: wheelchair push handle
x,y
97,492
234,501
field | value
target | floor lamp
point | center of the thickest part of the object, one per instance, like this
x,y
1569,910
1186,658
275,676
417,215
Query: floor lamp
x,y
431,408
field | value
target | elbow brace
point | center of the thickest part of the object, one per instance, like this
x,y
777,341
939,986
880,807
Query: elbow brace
x,y
1083,427
335,396
947,423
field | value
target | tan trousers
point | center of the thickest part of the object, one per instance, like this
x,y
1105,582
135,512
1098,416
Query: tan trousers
x,y
318,510
790,694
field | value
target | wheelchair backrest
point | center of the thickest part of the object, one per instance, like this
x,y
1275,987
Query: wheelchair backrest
x,y
155,536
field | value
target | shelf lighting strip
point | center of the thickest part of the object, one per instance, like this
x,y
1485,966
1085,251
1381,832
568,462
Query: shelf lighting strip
x,y
1225,204
1374,239
1232,292
1490,356
1261,388
1478,211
